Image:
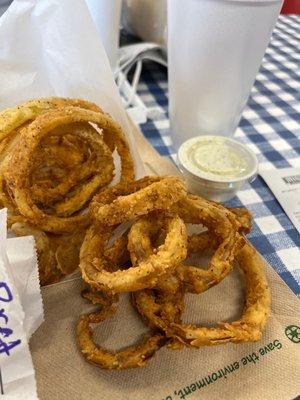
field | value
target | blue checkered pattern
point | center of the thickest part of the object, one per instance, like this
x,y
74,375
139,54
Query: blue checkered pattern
x,y
270,127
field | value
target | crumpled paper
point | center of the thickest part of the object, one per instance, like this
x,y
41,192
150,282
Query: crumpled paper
x,y
21,313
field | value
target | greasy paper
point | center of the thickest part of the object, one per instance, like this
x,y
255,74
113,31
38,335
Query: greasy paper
x,y
253,371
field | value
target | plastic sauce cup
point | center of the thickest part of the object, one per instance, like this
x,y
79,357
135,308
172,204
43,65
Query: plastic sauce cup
x,y
216,167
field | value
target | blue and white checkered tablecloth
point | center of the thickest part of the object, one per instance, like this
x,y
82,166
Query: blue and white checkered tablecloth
x,y
270,126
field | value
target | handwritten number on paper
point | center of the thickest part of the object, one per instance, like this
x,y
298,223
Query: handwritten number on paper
x,y
2,315
7,296
5,332
6,347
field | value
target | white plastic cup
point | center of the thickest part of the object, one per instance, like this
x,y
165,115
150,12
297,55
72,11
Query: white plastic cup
x,y
4,4
215,48
146,19
106,15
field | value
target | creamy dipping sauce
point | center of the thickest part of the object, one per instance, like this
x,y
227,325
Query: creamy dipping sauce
x,y
216,158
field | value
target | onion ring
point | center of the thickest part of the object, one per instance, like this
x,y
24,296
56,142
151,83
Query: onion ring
x,y
12,118
61,152
168,303
20,164
172,303
197,210
101,163
130,357
256,310
93,264
225,226
78,198
139,244
248,328
122,203
244,217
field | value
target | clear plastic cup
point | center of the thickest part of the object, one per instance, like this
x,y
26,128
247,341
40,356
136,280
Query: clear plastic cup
x,y
106,15
215,48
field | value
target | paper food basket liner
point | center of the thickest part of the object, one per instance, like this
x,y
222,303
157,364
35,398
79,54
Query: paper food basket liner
x,y
268,369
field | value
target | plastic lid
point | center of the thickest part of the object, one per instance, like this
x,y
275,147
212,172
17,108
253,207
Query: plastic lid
x,y
217,159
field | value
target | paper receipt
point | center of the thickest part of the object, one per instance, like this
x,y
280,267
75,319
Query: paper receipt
x,y
285,185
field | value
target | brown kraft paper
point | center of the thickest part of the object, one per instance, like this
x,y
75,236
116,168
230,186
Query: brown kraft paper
x,y
268,369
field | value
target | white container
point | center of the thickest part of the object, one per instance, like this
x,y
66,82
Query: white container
x,y
215,49
4,4
146,19
106,15
216,167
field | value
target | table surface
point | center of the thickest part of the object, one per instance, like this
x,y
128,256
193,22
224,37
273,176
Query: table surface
x,y
270,126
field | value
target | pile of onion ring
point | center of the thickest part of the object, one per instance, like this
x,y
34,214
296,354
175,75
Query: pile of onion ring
x,y
57,164
55,154
138,243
